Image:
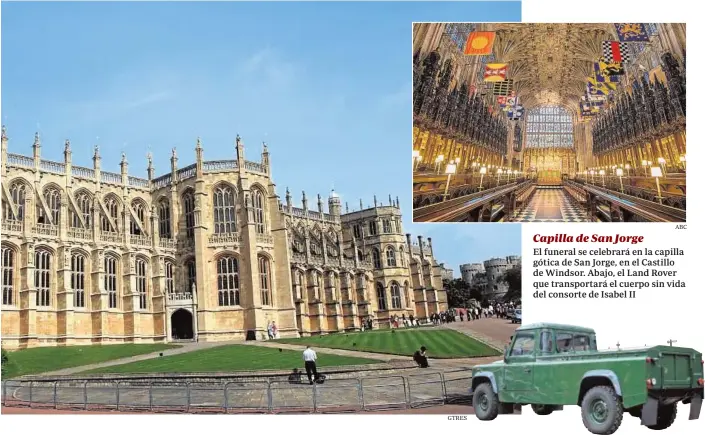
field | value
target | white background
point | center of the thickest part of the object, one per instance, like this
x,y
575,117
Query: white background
x,y
654,319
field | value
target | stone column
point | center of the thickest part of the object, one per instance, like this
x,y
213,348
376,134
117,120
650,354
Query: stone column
x,y
28,296
65,302
250,298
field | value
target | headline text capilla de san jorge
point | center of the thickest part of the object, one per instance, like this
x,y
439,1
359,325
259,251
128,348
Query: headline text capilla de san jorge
x,y
585,238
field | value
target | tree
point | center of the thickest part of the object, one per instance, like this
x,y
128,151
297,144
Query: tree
x,y
3,363
513,279
461,293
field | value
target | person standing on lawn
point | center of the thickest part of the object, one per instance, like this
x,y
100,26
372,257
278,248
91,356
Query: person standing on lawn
x,y
310,364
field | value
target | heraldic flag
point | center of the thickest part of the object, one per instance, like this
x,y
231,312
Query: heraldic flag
x,y
600,77
479,43
632,32
607,86
609,69
503,88
496,72
615,51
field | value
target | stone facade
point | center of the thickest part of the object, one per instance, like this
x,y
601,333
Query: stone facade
x,y
206,252
446,272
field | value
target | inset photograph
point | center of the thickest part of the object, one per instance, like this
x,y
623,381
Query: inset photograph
x,y
517,122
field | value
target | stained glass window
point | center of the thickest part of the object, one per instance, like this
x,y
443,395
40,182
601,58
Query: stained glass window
x,y
549,127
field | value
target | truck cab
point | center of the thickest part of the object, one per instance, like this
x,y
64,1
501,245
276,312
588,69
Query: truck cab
x,y
549,366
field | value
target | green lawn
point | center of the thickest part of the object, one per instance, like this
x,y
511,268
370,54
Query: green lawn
x,y
48,359
230,358
440,343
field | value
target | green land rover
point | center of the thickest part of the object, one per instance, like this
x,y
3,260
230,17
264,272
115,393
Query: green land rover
x,y
548,366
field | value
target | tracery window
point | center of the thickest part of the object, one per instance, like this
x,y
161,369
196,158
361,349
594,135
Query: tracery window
x,y
396,296
401,256
52,198
258,205
164,219
188,201
111,205
265,280
387,226
376,261
110,280
191,274
83,204
169,272
141,281
224,210
18,193
42,277
78,280
228,282
549,127
140,209
373,228
381,297
357,231
391,257
8,275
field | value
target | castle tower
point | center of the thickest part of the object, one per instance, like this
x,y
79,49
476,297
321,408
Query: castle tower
x,y
334,204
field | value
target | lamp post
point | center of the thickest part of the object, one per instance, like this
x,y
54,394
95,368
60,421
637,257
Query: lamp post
x,y
450,170
682,160
627,167
499,176
592,176
416,158
602,173
656,173
644,164
516,174
483,171
439,160
620,172
662,163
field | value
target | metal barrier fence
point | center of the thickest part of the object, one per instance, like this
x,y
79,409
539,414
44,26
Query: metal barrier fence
x,y
243,396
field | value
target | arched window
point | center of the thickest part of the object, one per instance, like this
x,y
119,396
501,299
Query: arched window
x,y
228,282
265,280
381,297
110,280
549,127
396,296
18,194
78,280
83,204
357,231
391,257
373,228
139,208
190,275
402,260
387,226
188,201
141,281
111,205
42,277
376,261
164,219
8,275
52,198
360,255
258,204
224,215
169,272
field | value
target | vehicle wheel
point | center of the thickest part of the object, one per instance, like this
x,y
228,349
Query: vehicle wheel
x,y
601,410
542,409
485,402
666,416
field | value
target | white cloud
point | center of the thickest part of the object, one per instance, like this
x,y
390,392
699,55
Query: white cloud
x,y
268,68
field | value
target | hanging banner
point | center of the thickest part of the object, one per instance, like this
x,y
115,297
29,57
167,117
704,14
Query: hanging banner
x,y
632,32
479,43
496,72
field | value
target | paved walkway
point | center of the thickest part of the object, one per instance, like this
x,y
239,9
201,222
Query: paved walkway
x,y
493,331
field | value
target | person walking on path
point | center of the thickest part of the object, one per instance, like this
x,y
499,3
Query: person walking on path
x,y
270,330
310,364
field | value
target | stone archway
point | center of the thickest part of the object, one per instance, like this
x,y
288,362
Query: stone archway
x,y
182,325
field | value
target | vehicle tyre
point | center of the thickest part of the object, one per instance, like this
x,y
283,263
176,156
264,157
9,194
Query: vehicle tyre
x,y
602,410
542,409
485,402
666,416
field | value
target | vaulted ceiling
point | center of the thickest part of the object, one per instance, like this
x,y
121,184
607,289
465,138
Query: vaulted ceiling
x,y
549,62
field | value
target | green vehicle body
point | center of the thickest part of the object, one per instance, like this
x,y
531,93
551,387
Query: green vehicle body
x,y
559,364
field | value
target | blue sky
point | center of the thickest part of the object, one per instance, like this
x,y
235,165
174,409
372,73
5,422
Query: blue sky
x,y
326,85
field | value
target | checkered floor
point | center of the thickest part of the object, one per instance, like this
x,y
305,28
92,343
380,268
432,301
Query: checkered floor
x,y
551,205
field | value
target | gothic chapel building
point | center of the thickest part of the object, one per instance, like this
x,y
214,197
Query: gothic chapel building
x,y
206,252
